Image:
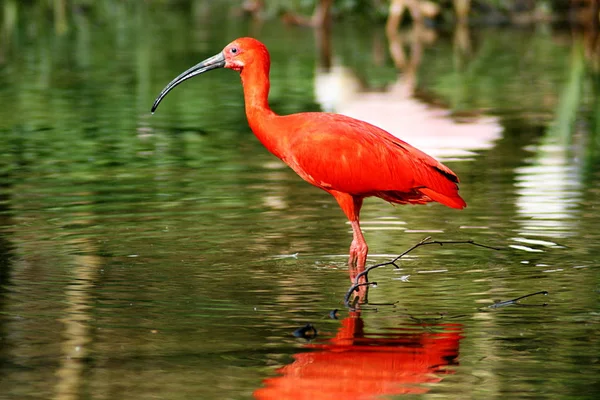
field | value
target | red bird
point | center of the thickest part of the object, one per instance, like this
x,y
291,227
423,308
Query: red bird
x,y
348,158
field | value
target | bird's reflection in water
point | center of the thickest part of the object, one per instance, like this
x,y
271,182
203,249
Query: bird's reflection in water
x,y
356,364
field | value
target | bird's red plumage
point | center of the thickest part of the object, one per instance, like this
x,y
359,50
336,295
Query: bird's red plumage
x,y
339,153
336,152
350,159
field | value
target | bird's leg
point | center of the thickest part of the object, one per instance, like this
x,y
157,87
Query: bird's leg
x,y
357,261
358,248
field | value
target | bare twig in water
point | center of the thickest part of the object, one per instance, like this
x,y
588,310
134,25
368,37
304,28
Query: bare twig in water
x,y
357,284
516,301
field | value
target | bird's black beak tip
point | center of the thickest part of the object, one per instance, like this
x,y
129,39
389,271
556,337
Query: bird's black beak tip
x,y
217,61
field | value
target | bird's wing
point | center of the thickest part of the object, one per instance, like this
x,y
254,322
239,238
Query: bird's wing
x,y
340,153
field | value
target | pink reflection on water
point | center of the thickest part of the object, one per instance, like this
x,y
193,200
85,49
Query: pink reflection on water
x,y
432,129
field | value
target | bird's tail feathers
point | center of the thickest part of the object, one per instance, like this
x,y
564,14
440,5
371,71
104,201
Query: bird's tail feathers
x,y
451,201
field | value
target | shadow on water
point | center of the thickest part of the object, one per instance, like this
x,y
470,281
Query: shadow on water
x,y
6,258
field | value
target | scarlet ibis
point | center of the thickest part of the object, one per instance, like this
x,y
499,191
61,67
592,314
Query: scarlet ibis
x,y
348,158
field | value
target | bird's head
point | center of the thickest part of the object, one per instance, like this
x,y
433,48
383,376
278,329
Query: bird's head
x,y
243,52
237,55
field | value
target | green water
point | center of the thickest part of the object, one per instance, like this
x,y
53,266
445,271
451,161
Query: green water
x,y
171,256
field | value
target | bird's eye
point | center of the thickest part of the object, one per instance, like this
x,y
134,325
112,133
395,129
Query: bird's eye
x,y
234,50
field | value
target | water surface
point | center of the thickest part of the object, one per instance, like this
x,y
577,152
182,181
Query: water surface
x,y
171,256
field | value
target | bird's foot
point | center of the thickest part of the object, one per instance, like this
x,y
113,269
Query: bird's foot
x,y
358,255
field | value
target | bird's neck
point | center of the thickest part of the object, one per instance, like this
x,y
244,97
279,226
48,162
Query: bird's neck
x,y
261,118
256,90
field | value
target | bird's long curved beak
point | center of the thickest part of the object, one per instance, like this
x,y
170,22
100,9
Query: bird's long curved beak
x,y
217,61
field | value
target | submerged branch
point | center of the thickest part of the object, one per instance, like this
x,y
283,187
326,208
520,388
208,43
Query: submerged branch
x,y
516,301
